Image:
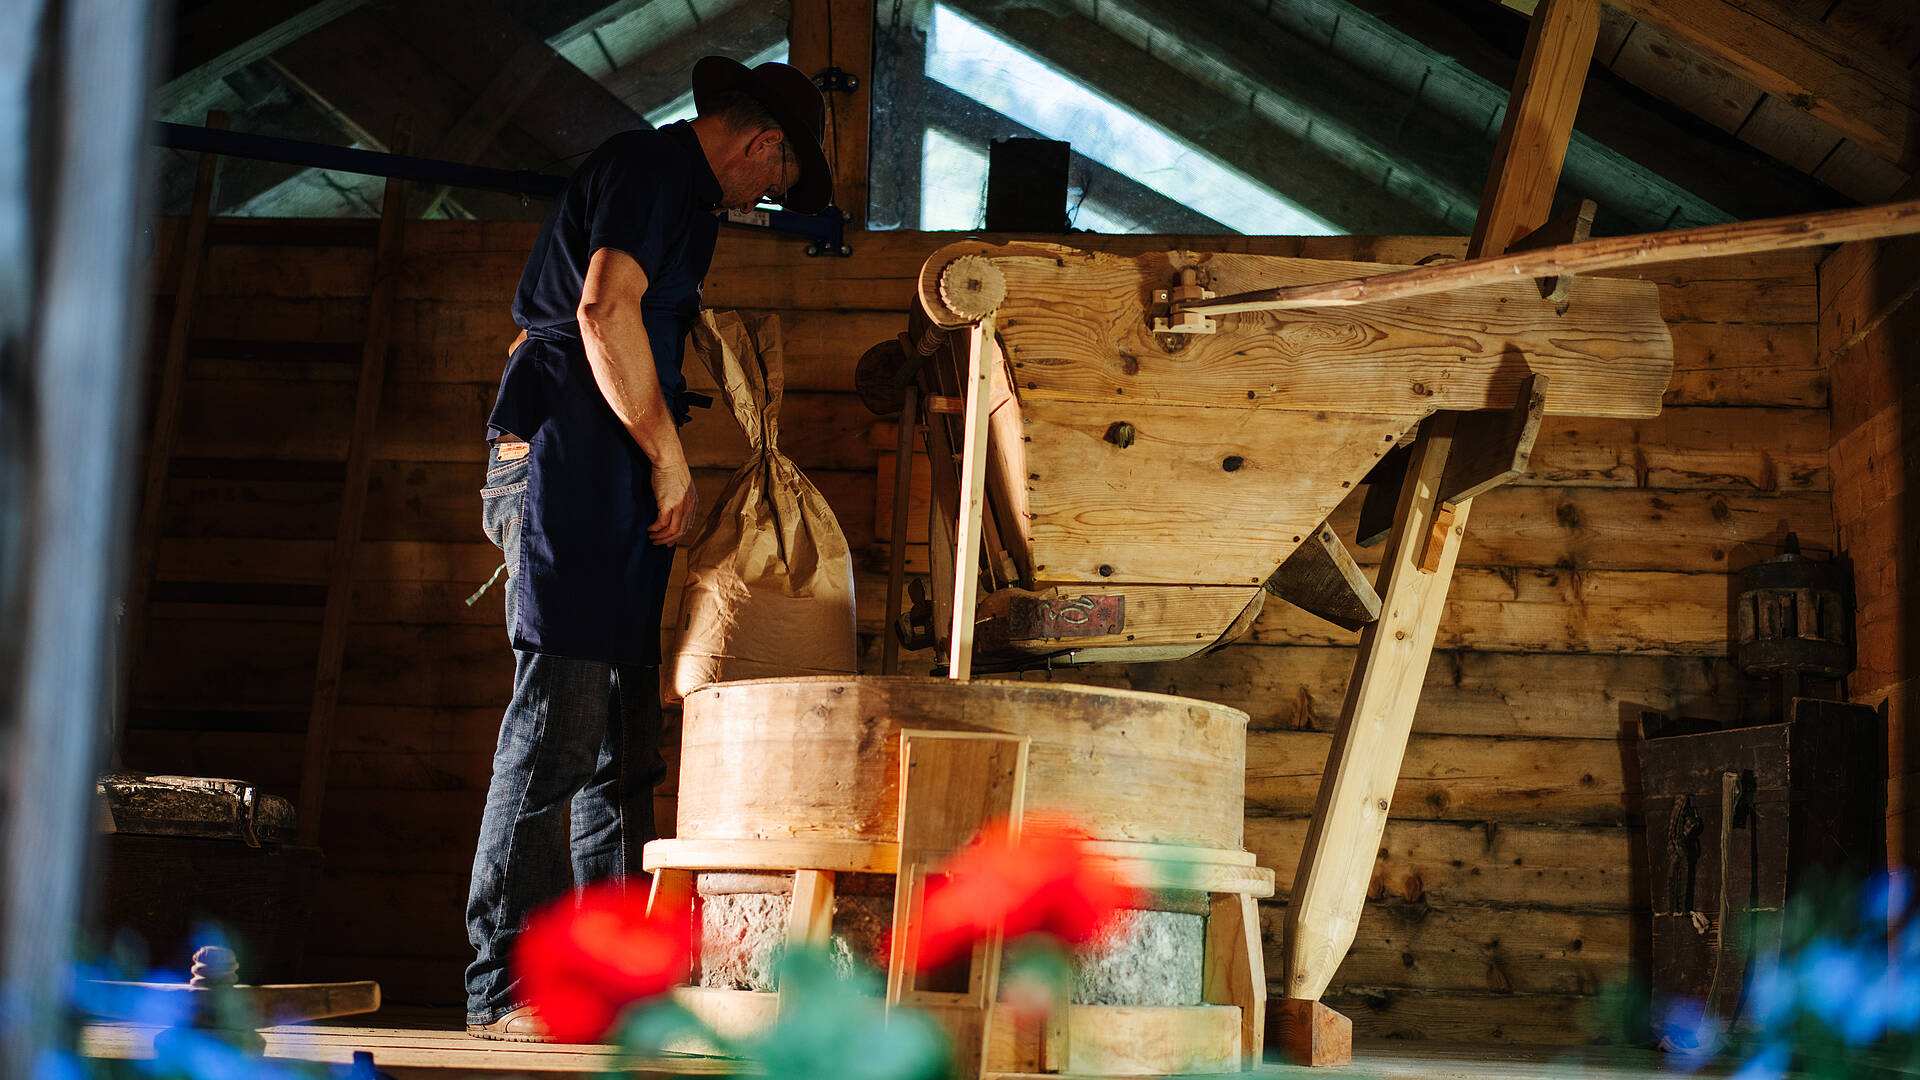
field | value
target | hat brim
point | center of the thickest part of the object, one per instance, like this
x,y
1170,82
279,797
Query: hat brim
x,y
714,75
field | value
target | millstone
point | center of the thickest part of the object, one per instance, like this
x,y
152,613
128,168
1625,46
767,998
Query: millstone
x,y
1152,958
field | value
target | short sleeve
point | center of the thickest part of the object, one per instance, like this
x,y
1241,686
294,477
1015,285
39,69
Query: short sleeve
x,y
626,211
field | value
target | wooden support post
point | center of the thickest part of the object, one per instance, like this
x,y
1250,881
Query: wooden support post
x,y
810,916
827,34
810,919
1356,788
943,510
670,895
1539,123
951,784
166,423
1235,971
973,494
897,541
353,500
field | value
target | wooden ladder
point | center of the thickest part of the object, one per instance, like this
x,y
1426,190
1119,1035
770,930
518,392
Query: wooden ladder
x,y
169,397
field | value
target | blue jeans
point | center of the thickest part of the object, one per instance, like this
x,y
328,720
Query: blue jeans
x,y
571,800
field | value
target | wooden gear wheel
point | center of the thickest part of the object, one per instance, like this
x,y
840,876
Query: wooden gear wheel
x,y
972,287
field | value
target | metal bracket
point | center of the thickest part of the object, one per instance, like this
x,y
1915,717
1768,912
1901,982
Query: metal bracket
x,y
838,80
826,229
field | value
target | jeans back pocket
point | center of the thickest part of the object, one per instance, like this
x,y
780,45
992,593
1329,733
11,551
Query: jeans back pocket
x,y
501,499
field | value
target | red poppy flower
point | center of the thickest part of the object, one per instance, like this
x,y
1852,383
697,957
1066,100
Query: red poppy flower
x,y
583,959
1044,883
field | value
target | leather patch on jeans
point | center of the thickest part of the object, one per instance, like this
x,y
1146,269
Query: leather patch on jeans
x,y
511,451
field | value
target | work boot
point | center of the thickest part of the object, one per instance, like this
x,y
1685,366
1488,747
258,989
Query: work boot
x,y
520,1024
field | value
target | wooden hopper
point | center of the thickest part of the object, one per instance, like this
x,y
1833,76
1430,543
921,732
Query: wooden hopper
x,y
1139,488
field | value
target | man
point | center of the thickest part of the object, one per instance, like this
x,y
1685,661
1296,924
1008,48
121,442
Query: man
x,y
588,490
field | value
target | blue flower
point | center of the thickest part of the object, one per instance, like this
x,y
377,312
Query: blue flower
x,y
1773,993
1885,898
1688,1035
1831,977
59,1065
1769,1064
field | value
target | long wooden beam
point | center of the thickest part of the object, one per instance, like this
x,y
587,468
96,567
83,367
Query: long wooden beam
x,y
1352,114
664,71
839,34
1799,60
1611,253
1356,788
215,40
1538,125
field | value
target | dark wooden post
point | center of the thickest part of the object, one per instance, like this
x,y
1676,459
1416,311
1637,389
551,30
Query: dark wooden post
x,y
83,83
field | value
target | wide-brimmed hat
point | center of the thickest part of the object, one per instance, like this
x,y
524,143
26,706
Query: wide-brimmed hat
x,y
794,102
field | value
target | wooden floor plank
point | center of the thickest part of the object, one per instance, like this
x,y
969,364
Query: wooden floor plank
x,y
423,1042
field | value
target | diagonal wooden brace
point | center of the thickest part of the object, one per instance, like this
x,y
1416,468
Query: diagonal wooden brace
x,y
1350,811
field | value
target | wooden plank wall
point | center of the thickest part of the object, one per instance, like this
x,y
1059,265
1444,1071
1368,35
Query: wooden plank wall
x,y
1870,327
1597,587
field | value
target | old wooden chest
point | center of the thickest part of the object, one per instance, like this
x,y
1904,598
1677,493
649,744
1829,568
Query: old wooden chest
x,y
1737,821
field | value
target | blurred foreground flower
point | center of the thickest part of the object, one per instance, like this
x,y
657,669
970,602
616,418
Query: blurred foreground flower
x,y
585,958
1043,882
836,1027
1838,995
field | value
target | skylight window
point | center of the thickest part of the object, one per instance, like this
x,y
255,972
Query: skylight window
x,y
981,65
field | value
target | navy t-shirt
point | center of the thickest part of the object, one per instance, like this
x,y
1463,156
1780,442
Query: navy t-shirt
x,y
589,582
650,194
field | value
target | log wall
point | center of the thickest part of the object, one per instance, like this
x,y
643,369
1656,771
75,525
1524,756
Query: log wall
x,y
1870,327
1595,588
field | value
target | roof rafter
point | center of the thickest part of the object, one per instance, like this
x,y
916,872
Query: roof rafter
x,y
1799,60
1373,128
665,70
218,39
1648,167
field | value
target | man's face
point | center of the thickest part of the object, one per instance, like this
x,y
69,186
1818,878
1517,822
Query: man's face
x,y
767,170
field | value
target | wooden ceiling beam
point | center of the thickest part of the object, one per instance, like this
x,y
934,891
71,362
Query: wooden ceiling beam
x,y
665,70
1222,127
1539,125
839,34
215,40
1648,166
1798,59
485,88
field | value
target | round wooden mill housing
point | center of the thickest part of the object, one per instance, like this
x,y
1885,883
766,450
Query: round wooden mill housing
x,y
790,829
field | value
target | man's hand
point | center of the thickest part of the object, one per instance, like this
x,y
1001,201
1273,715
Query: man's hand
x,y
673,493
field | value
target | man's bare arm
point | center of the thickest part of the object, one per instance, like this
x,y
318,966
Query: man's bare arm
x,y
622,363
